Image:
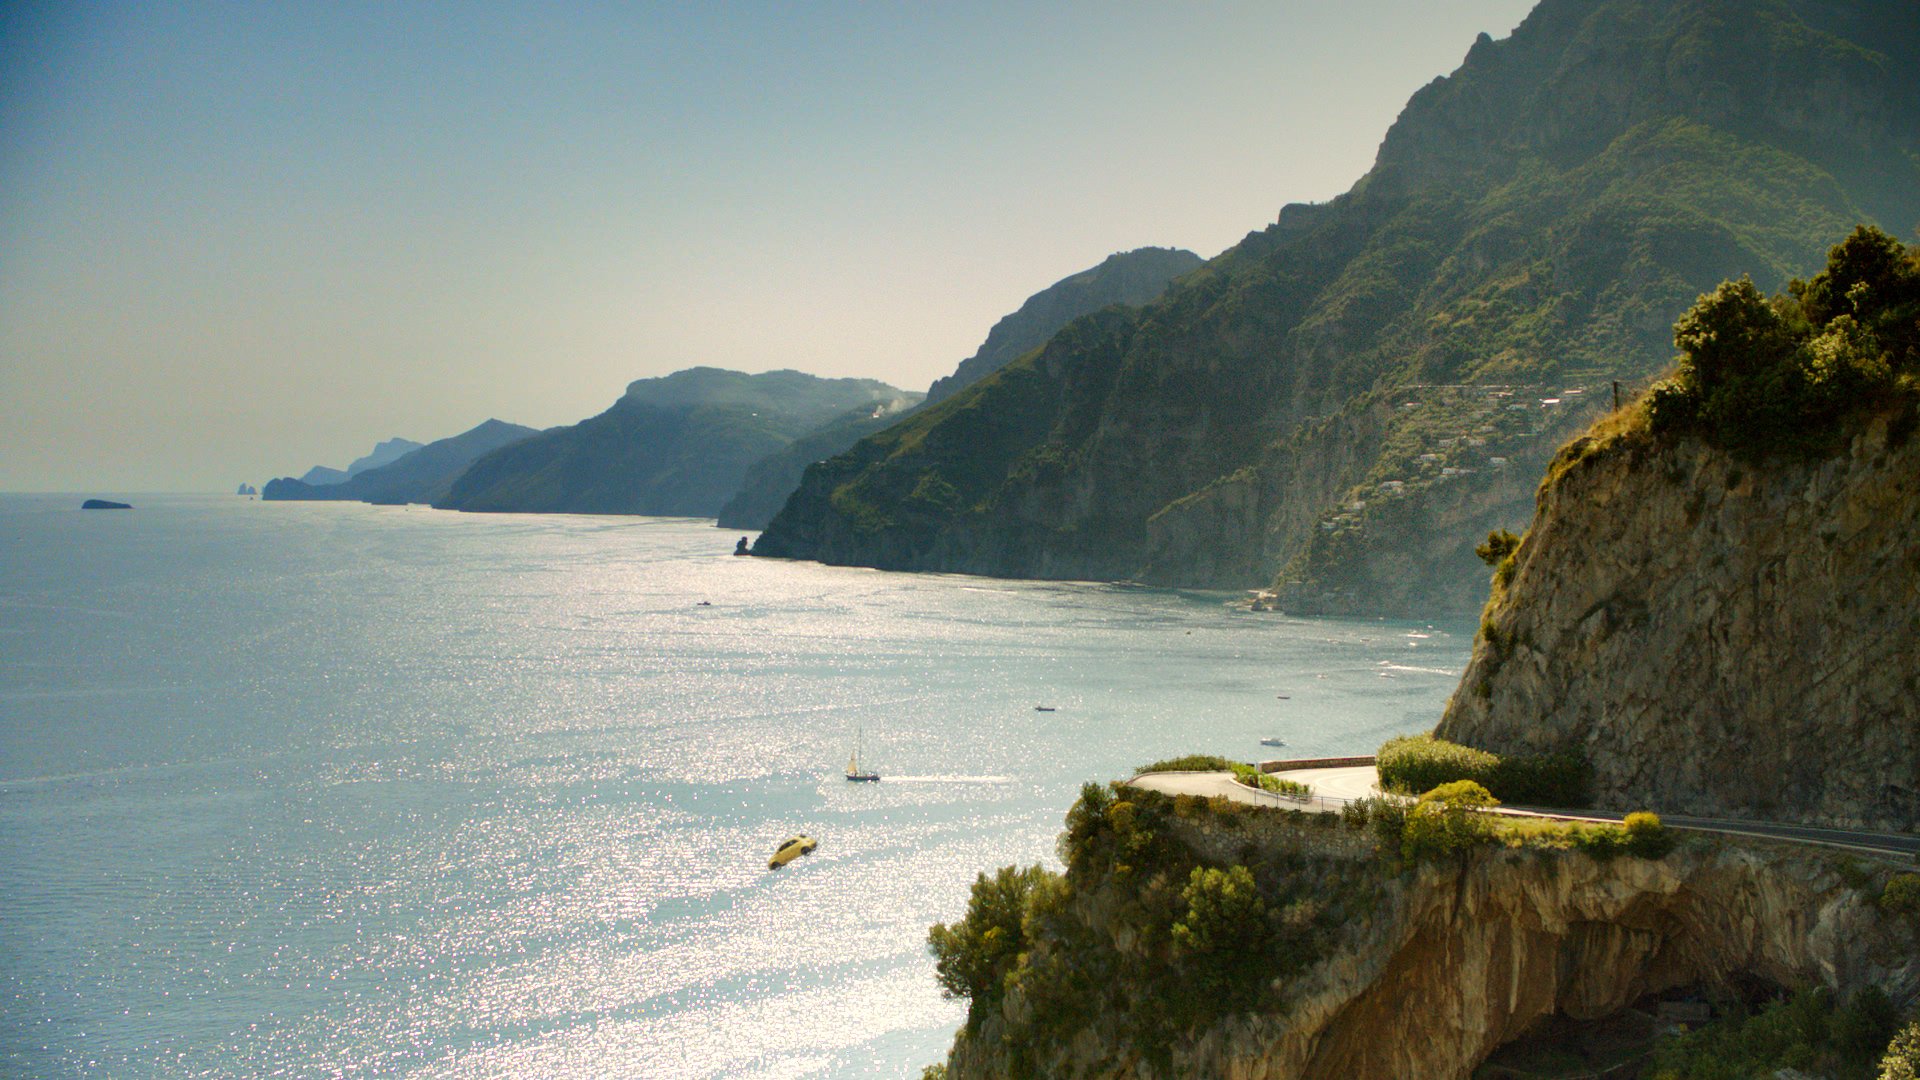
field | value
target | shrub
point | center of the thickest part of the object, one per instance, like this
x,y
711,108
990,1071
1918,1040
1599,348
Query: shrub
x,y
1422,762
1804,1031
1902,1061
1500,544
1253,777
1647,835
1224,911
1388,818
1901,894
1418,763
974,956
1447,819
1462,793
1758,375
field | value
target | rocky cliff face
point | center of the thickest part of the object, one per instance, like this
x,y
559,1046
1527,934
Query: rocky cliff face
x,y
1458,958
1315,404
1717,638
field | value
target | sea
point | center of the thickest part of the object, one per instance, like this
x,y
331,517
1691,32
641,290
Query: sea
x,y
335,790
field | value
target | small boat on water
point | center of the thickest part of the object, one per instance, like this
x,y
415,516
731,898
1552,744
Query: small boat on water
x,y
790,849
855,773
1273,742
1046,708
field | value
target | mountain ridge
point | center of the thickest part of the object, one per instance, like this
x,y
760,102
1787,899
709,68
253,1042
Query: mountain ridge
x,y
1529,226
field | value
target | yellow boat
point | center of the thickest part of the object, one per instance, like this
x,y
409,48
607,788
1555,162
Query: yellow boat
x,y
790,849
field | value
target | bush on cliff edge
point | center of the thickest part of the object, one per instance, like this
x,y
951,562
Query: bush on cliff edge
x,y
1759,375
1417,763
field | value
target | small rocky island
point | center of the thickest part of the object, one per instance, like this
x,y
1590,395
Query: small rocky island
x,y
105,504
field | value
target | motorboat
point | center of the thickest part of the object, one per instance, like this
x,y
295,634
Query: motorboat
x,y
1271,741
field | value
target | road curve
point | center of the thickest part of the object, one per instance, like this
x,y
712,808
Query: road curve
x,y
1335,787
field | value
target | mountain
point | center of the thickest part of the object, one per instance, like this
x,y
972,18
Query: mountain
x,y
418,476
678,445
1127,277
768,482
321,476
1343,403
384,453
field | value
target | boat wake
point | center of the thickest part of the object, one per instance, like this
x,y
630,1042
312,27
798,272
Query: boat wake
x,y
1385,666
949,780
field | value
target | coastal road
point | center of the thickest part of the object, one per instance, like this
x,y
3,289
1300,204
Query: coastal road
x,y
1335,787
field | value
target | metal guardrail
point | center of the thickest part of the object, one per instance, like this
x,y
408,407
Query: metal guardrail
x,y
1290,764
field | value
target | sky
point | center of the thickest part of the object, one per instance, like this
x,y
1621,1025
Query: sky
x,y
241,239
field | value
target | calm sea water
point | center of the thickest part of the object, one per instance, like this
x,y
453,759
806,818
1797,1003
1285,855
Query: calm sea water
x,y
336,790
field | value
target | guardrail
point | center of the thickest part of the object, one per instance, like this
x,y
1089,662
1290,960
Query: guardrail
x,y
1289,764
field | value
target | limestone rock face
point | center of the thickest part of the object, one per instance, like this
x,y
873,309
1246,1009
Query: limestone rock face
x,y
1462,957
1717,638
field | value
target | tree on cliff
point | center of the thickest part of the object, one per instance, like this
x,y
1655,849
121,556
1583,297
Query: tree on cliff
x,y
1759,375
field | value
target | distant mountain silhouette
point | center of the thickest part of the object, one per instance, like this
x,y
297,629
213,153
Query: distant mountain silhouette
x,y
418,476
678,445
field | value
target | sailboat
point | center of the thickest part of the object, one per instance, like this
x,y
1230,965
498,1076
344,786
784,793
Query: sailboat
x,y
854,774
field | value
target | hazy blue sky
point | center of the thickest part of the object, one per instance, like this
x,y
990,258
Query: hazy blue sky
x,y
237,240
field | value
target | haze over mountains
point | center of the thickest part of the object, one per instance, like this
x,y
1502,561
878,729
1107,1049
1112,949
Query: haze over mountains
x,y
417,476
1126,277
676,445
1344,402
687,443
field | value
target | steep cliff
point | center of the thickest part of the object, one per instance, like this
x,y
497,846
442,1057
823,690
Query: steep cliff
x,y
1428,968
1321,402
676,445
1717,637
1718,604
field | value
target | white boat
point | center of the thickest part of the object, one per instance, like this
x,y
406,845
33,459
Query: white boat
x,y
854,773
1273,742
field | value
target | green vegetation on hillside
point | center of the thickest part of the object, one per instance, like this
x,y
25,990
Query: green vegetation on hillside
x,y
1205,939
1416,763
1452,818
1760,375
1807,1031
1334,404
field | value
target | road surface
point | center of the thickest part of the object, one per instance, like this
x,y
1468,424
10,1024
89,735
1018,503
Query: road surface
x,y
1335,787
